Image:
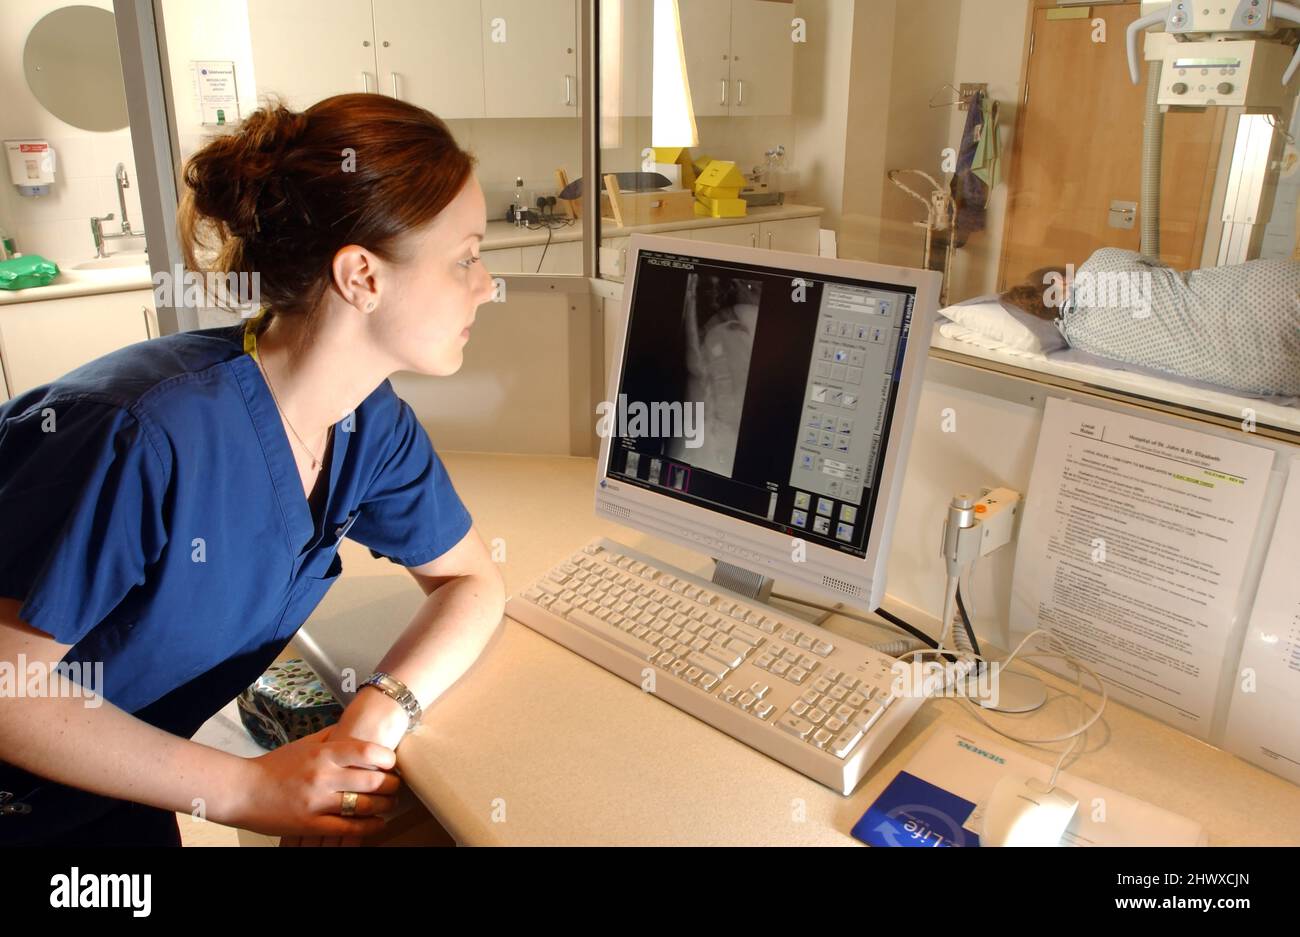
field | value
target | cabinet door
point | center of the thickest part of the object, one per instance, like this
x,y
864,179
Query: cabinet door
x,y
562,257
530,62
744,235
800,235
627,57
706,39
45,340
307,50
503,260
762,58
431,54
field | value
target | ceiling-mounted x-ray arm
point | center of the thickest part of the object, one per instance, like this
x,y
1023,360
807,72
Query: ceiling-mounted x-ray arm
x,y
1288,12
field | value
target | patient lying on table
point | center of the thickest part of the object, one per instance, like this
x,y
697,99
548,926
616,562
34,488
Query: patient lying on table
x,y
1237,326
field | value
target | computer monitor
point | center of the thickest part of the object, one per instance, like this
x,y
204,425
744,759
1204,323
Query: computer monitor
x,y
761,408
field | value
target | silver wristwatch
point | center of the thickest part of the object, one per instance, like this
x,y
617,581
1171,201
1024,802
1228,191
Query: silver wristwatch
x,y
396,689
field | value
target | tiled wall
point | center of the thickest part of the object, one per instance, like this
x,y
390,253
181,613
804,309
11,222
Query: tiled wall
x,y
57,225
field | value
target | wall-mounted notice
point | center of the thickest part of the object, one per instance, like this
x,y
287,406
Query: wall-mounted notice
x,y
216,92
1264,722
1132,550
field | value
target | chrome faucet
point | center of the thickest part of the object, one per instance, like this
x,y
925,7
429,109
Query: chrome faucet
x,y
123,183
96,224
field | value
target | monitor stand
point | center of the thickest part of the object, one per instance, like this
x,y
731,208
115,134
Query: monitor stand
x,y
758,587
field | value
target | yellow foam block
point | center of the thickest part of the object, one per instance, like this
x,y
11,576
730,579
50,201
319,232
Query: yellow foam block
x,y
722,173
721,207
701,162
717,191
668,154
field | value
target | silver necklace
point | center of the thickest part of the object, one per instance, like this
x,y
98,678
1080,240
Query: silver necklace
x,y
315,462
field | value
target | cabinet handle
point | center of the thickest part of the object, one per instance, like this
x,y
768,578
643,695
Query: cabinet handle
x,y
148,332
396,96
365,82
723,102
769,240
740,92
753,240
568,90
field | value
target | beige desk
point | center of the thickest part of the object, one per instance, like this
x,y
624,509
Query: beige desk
x,y
537,746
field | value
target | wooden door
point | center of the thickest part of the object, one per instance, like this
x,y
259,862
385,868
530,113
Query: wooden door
x,y
1078,147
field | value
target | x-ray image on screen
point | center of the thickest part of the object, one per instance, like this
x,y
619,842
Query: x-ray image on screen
x,y
719,316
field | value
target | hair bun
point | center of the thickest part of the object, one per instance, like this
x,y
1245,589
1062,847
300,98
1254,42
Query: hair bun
x,y
229,178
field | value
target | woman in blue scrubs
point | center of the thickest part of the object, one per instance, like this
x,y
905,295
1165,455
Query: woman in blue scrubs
x,y
173,511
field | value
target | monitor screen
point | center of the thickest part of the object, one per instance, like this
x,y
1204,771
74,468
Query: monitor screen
x,y
759,393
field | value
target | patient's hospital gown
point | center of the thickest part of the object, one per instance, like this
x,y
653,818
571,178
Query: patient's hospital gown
x,y
1237,326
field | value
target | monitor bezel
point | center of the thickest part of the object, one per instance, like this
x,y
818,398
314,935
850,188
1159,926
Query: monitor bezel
x,y
859,582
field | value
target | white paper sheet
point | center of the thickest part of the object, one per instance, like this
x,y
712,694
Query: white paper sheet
x,y
1264,722
1132,549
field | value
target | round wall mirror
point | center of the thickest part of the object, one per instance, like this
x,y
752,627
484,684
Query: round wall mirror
x,y
73,67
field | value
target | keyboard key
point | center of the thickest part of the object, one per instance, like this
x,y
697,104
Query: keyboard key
x,y
677,667
763,710
795,726
641,649
759,689
832,674
708,681
797,675
798,707
740,647
730,692
561,607
856,700
681,650
848,681
664,659
810,696
780,668
845,712
817,716
708,664
747,700
767,625
845,741
804,641
764,660
789,635
839,693
693,674
821,684
808,663
821,737
730,658
749,637
834,724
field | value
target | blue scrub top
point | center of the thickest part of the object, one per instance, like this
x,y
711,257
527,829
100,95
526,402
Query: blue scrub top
x,y
154,518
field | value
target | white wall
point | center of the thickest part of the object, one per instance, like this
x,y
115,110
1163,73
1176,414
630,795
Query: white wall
x,y
57,226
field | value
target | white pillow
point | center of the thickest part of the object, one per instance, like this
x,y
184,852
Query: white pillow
x,y
991,319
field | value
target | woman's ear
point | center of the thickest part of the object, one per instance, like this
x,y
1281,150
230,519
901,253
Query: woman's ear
x,y
356,277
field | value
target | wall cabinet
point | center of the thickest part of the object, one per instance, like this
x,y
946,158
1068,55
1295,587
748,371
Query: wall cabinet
x,y
456,58
41,341
739,57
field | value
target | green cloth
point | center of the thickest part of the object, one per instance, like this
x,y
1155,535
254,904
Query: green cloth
x,y
21,273
985,162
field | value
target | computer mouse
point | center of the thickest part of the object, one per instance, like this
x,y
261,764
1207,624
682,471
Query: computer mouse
x,y
1025,811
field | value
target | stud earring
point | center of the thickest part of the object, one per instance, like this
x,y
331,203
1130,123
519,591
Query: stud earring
x,y
370,306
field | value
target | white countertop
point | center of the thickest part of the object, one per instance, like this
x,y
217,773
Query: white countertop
x,y
501,235
574,754
73,282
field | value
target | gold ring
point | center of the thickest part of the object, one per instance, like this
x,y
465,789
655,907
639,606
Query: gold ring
x,y
349,803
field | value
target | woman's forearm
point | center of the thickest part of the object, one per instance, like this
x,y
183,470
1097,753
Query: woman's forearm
x,y
445,636
107,751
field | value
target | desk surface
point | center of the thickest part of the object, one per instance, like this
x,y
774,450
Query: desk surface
x,y
535,745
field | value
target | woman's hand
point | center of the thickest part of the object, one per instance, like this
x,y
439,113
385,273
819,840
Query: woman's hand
x,y
297,790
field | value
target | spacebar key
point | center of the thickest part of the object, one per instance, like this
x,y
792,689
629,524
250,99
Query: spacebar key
x,y
606,631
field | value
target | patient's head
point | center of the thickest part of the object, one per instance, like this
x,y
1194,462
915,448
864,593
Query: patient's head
x,y
1041,293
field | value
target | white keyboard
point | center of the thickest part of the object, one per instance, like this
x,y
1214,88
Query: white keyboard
x,y
813,700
